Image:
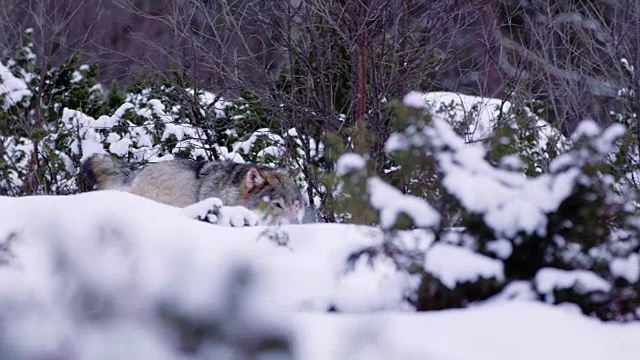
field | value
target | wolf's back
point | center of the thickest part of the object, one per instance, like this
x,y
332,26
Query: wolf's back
x,y
104,172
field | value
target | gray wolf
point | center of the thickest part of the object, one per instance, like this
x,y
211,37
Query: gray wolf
x,y
269,192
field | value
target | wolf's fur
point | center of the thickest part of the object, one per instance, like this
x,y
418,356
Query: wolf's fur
x,y
183,182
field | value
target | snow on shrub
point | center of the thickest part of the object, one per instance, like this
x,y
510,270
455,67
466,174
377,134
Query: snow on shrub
x,y
565,228
390,202
12,88
549,280
506,127
152,124
454,265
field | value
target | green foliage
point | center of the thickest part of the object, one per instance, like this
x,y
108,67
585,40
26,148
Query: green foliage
x,y
34,142
64,115
346,198
411,169
433,295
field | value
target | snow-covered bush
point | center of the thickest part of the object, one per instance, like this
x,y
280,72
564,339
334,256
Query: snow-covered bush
x,y
52,120
570,231
628,157
33,140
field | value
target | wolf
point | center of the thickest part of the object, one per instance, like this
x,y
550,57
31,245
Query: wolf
x,y
271,193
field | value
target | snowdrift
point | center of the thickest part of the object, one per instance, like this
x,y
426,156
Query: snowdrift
x,y
111,275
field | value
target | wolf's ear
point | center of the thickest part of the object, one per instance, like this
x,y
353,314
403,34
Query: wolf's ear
x,y
253,179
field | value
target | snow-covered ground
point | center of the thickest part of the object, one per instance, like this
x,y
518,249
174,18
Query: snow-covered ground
x,y
506,331
86,276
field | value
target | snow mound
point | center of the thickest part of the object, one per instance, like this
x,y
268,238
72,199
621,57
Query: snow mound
x,y
104,274
517,330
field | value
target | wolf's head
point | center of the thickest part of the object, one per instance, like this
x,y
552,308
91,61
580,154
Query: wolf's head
x,y
274,194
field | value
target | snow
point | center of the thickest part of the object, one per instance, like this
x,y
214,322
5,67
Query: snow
x,y
605,139
400,142
587,129
484,113
86,273
515,290
273,151
120,147
517,330
414,99
219,104
509,200
269,146
362,290
501,248
583,281
391,203
511,162
479,116
179,131
627,268
76,76
349,162
117,115
454,265
11,87
163,233
235,216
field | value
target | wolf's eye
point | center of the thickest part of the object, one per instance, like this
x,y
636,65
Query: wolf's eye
x,y
278,205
